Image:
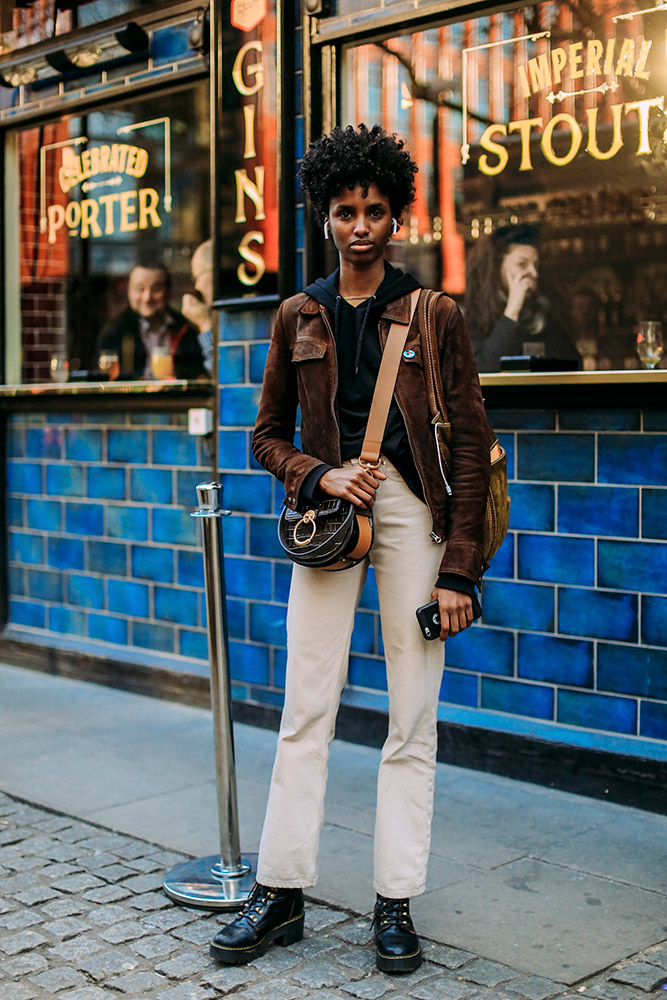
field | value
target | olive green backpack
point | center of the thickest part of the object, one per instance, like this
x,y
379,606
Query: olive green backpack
x,y
497,500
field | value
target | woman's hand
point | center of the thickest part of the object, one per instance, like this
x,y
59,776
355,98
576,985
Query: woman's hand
x,y
520,284
352,482
455,611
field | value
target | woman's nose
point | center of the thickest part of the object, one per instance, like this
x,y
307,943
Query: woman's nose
x,y
361,224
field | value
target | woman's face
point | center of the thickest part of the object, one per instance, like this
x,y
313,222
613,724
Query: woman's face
x,y
360,225
520,264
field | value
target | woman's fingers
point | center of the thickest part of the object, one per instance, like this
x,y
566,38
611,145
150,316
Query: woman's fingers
x,y
455,611
351,483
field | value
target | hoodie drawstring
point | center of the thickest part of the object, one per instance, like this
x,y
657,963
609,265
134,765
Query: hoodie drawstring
x,y
336,315
362,331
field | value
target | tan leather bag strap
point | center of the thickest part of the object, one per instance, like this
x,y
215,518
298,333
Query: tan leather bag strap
x,y
384,387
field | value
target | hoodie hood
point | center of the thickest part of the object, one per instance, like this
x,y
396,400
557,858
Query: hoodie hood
x,y
394,284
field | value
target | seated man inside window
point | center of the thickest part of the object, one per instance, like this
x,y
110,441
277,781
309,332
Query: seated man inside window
x,y
149,339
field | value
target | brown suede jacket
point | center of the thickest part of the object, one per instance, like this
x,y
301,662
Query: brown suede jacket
x,y
301,369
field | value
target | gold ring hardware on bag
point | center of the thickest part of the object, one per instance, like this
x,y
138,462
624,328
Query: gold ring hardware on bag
x,y
308,518
367,466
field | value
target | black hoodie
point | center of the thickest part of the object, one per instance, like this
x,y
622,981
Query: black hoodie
x,y
359,354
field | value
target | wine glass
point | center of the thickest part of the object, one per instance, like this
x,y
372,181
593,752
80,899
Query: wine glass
x,y
649,342
109,365
59,368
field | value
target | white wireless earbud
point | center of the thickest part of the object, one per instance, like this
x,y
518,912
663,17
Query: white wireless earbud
x,y
326,229
394,227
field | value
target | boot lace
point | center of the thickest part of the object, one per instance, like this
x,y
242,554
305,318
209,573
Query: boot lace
x,y
259,898
391,912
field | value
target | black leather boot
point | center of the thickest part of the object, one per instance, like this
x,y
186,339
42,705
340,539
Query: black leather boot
x,y
397,947
267,915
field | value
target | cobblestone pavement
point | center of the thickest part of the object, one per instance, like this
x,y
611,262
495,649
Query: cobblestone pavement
x,y
83,917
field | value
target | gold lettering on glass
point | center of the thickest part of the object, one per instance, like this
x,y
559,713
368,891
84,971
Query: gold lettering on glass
x,y
251,257
589,67
253,189
241,73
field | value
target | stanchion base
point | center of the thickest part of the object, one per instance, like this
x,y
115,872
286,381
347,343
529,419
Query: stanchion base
x,y
200,883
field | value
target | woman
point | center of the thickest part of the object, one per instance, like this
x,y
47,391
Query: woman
x,y
324,355
505,311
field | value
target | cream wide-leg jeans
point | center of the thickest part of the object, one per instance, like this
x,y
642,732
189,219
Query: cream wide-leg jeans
x,y
320,620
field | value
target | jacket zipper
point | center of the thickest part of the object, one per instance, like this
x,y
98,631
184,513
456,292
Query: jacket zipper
x,y
441,462
432,374
325,320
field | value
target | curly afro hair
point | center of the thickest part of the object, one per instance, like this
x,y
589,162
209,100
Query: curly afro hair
x,y
347,157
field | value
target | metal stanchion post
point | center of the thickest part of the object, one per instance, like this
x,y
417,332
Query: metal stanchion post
x,y
222,881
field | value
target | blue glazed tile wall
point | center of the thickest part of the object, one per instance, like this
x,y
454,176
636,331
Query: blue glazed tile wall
x,y
574,631
580,576
101,544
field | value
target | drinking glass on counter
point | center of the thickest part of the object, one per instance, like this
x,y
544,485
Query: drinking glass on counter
x,y
162,363
649,342
59,368
109,364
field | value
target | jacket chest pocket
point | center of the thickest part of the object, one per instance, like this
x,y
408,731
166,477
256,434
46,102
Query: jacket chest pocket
x,y
307,349
411,356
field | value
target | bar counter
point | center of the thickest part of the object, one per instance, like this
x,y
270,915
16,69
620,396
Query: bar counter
x,y
630,388
47,396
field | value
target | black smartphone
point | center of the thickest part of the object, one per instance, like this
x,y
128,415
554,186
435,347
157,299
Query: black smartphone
x,y
428,617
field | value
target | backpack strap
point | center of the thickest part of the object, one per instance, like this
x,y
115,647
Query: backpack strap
x,y
430,354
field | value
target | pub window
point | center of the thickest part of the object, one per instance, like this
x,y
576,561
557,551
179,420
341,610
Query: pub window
x,y
97,194
540,135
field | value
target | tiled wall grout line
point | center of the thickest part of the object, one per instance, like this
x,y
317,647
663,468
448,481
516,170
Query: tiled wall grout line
x,y
556,631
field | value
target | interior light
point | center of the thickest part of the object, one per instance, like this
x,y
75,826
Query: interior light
x,y
85,57
16,76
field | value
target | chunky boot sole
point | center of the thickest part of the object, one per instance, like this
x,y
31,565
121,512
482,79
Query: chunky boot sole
x,y
404,963
288,933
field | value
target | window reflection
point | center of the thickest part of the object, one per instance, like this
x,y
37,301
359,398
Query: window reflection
x,y
104,197
541,205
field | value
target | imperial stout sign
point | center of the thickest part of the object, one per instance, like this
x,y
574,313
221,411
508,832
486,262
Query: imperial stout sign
x,y
594,68
249,235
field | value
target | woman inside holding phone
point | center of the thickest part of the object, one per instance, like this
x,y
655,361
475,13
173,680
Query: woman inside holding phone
x,y
324,356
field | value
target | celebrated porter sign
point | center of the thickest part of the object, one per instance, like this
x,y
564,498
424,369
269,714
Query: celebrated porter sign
x,y
99,189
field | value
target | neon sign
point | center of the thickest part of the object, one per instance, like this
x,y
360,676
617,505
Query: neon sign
x,y
248,77
249,234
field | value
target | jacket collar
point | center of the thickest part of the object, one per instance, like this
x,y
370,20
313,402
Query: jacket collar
x,y
398,310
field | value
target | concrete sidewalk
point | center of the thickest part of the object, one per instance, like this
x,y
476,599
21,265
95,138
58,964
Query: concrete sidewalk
x,y
547,883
